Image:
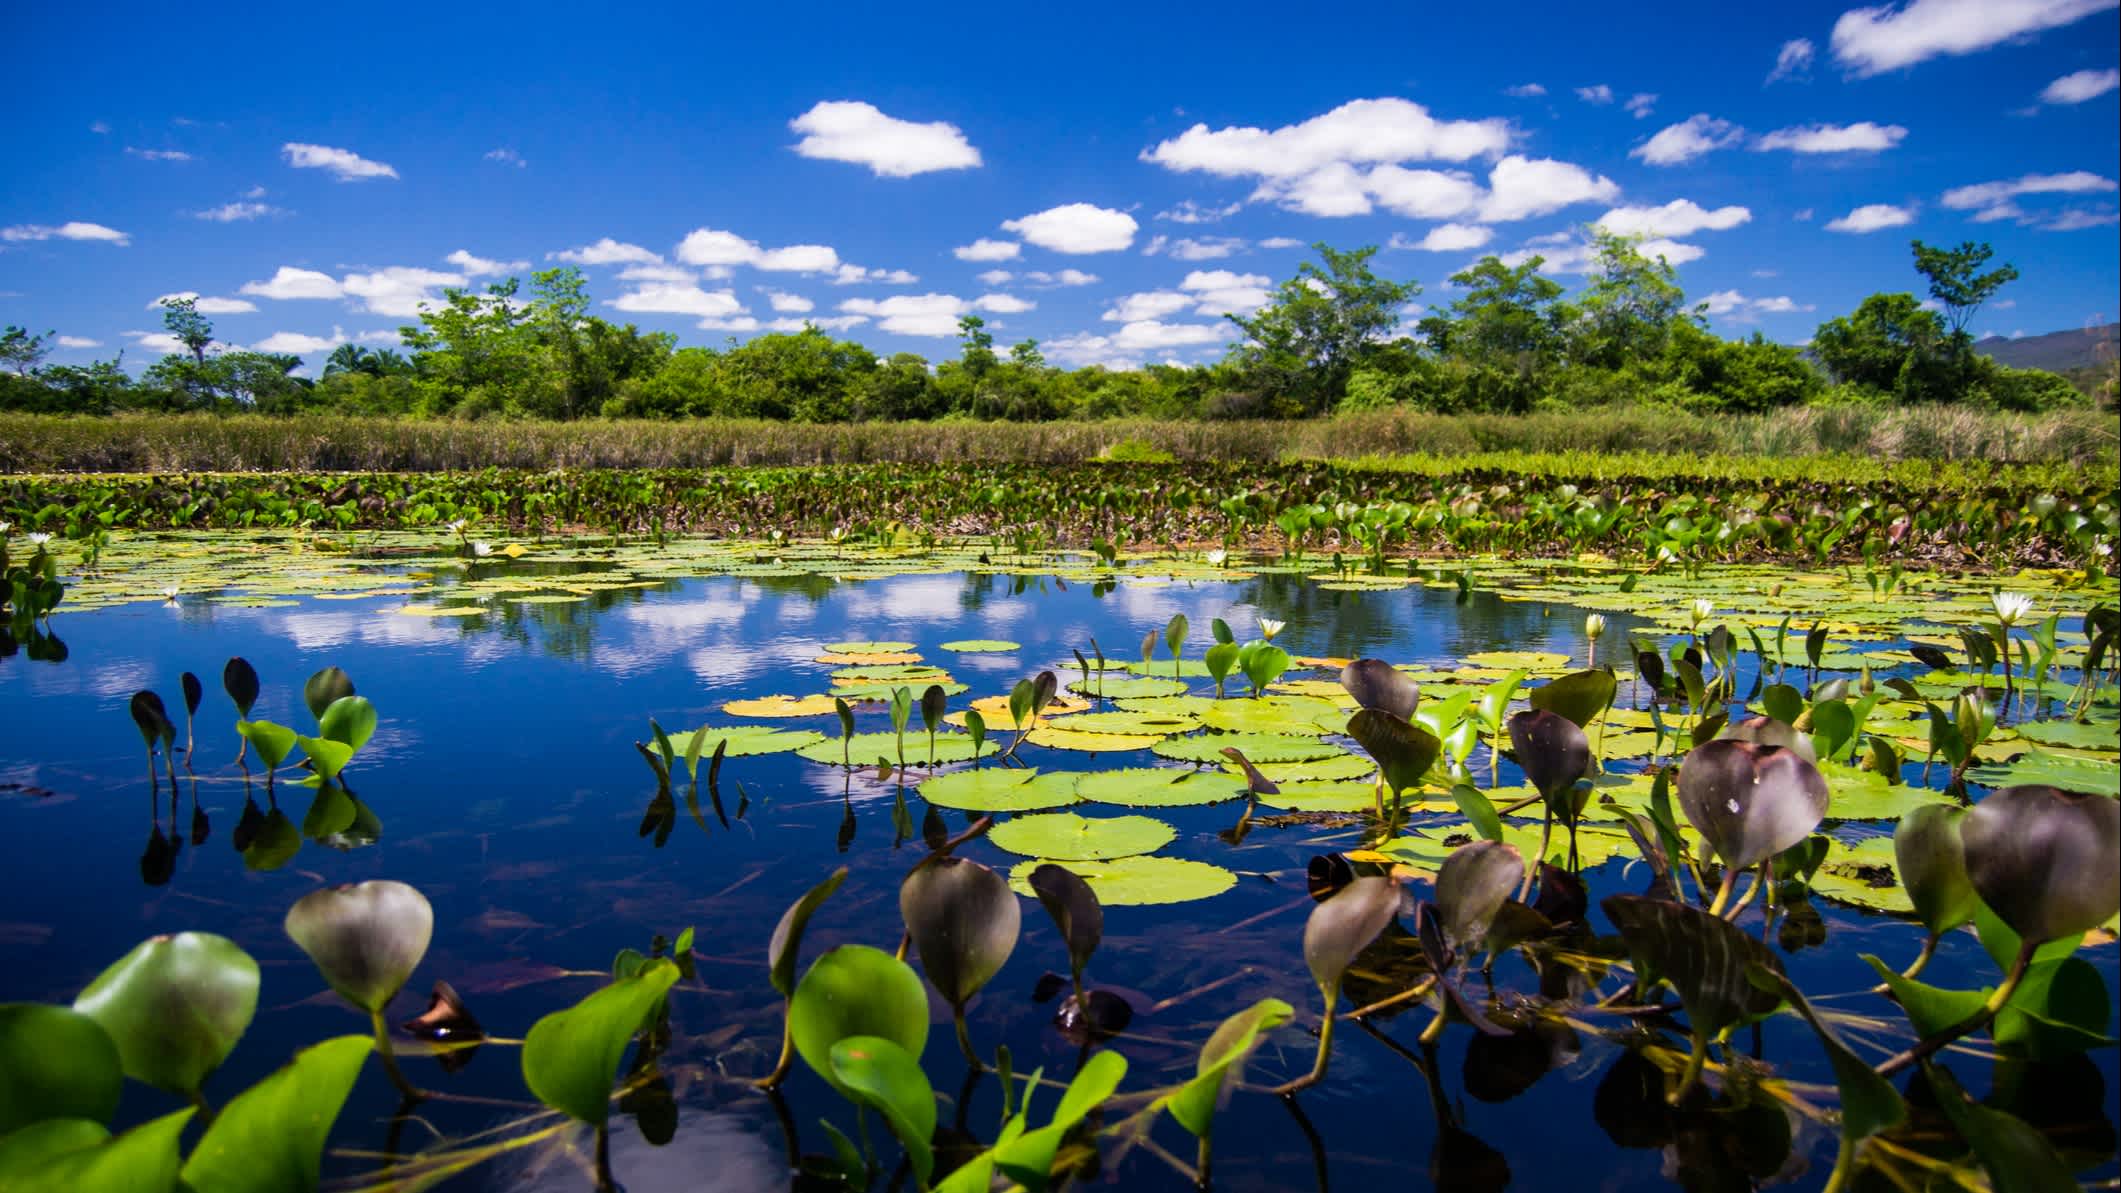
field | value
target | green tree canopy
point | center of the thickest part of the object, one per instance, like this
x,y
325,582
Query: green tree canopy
x,y
1302,346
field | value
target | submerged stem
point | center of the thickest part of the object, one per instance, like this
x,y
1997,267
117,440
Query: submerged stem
x,y
964,1037
1325,1046
1929,1045
1723,891
1692,1073
406,1089
780,1067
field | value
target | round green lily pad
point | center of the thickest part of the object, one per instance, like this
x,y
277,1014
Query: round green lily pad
x,y
1512,660
867,647
1277,714
1115,687
2085,736
884,691
1167,706
1345,765
866,748
746,740
1065,835
1157,787
1055,737
1136,881
1127,722
1165,668
1259,747
982,646
903,673
1328,796
1000,789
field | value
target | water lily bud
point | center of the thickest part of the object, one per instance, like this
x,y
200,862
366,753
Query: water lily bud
x,y
1702,610
1594,626
366,938
2046,861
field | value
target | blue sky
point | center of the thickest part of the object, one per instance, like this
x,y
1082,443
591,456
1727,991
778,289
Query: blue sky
x,y
1107,180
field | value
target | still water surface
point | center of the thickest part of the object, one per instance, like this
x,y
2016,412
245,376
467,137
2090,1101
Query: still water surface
x,y
509,791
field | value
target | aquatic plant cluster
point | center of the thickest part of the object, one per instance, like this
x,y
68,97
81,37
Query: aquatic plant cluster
x,y
1708,754
1963,515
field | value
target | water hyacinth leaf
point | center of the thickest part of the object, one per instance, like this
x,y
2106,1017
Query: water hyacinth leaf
x,y
1478,810
1193,1106
319,690
1044,687
1175,633
1403,752
1932,867
1770,731
64,1154
349,719
787,941
1069,837
846,715
175,1007
1377,684
877,1072
1020,704
1833,726
1028,1159
1075,910
273,742
855,990
331,811
1782,702
1220,631
365,938
976,729
152,719
2018,1156
1262,663
2046,861
1580,696
326,757
964,921
240,680
55,1063
193,690
1554,753
934,703
1704,957
1471,887
570,1057
901,708
270,1137
1344,925
1220,660
1750,802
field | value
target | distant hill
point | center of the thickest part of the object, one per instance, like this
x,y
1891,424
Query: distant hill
x,y
2057,351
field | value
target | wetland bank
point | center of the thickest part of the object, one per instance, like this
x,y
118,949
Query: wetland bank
x,y
1041,922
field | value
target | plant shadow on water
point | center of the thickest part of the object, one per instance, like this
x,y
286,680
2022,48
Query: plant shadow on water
x,y
575,792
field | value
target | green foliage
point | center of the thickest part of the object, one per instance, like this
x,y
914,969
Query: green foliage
x,y
1303,346
270,1137
570,1056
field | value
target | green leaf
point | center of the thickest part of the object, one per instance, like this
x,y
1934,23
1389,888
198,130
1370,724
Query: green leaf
x,y
1704,957
143,1160
570,1057
325,756
855,990
273,742
1869,1103
1932,867
324,687
1158,786
1028,1158
964,922
1478,811
365,938
1580,696
1344,924
1065,835
1931,1009
270,1137
1262,663
1136,881
175,1007
55,1063
787,941
349,719
878,1072
1193,1106
2019,1158
995,789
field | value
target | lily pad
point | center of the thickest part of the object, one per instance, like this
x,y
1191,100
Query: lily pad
x,y
866,748
1127,722
781,706
867,647
1065,835
995,789
982,646
1862,874
1062,738
2096,776
1261,748
1277,714
1345,765
2091,735
1534,661
1136,881
746,740
1116,687
1327,796
1157,787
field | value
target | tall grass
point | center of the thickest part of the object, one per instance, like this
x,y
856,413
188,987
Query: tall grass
x,y
209,443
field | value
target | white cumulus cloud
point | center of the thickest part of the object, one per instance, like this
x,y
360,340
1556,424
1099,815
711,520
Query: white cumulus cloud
x,y
1189,212
1680,217
2077,87
1872,217
679,298
298,343
398,290
230,213
1521,188
853,131
985,249
206,305
1869,41
480,267
1698,134
344,164
1861,137
70,230
1793,60
290,282
1448,238
1076,228
607,251
79,342
1360,131
932,315
1002,304
1597,93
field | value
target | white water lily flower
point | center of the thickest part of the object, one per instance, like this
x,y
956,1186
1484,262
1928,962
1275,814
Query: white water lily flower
x,y
1217,556
1704,608
457,527
1268,627
170,593
38,540
6,526
1594,626
482,550
2011,607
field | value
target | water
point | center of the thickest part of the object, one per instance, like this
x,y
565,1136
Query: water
x,y
509,791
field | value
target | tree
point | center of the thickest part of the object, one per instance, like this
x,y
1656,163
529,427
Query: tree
x,y
1509,324
1630,305
1957,283
1890,346
978,346
181,318
22,351
1303,345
